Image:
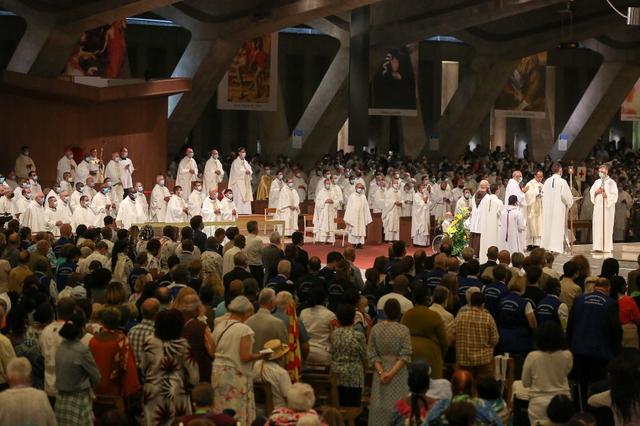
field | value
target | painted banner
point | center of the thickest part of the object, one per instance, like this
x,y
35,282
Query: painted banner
x,y
630,109
393,89
251,82
524,94
101,52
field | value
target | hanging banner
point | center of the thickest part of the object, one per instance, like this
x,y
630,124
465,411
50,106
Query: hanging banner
x,y
393,88
630,109
251,83
524,94
100,52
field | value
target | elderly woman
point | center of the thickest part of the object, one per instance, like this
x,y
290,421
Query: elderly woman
x,y
300,402
76,374
232,377
169,370
197,334
389,351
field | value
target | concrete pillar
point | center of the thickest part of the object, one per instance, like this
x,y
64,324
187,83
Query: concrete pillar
x,y
359,79
274,130
499,130
542,131
414,136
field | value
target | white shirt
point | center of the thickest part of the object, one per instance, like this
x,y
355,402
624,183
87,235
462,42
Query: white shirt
x,y
405,304
317,321
126,170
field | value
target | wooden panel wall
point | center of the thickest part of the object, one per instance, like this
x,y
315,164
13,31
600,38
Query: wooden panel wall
x,y
47,126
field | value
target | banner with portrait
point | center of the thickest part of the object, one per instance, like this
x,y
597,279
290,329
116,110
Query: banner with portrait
x,y
524,94
251,82
630,109
101,52
393,88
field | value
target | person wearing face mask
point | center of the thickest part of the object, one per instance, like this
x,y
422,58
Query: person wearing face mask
x,y
464,201
196,198
83,215
102,205
22,201
90,187
556,202
112,172
34,182
3,183
264,184
391,212
623,212
177,210
33,216
274,191
83,169
348,188
315,177
126,171
66,184
357,216
211,210
374,185
441,197
337,190
63,208
187,172
131,211
240,182
228,211
421,217
7,204
407,200
604,195
24,184
513,225
288,208
324,215
377,197
160,196
326,174
490,220
514,188
474,220
74,201
457,192
24,163
533,201
53,216
300,185
213,172
66,164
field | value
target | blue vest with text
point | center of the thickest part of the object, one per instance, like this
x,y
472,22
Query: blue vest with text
x,y
515,333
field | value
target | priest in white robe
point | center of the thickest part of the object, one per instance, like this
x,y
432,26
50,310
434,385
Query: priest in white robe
x,y
240,182
34,217
421,217
300,185
177,210
131,211
102,205
348,188
83,170
126,170
142,199
160,196
274,191
337,191
211,211
54,216
112,172
512,236
66,164
64,208
22,201
229,211
187,173
490,215
83,215
74,200
533,201
326,174
195,200
24,163
7,203
66,184
623,212
357,216
604,195
324,215
407,200
377,196
288,208
513,188
556,201
441,196
213,174
391,212
474,220
464,202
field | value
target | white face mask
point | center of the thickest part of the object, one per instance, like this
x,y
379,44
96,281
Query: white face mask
x,y
198,188
601,174
140,188
327,187
215,156
161,183
179,193
230,197
268,171
359,190
190,154
290,184
467,195
242,155
280,177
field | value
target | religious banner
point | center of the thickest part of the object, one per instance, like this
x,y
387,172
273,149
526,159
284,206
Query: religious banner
x,y
630,109
251,82
523,95
100,52
393,88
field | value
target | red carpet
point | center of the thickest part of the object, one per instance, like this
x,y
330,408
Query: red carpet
x,y
364,256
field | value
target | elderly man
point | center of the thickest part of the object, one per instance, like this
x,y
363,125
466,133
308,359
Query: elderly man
x,y
324,214
187,172
22,404
474,228
357,216
239,242
288,208
392,212
34,215
240,182
83,215
139,333
604,195
177,210
66,164
126,170
274,190
24,163
265,326
196,198
556,202
213,172
160,196
533,200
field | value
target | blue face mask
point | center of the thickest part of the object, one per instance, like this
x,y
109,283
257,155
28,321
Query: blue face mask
x,y
105,191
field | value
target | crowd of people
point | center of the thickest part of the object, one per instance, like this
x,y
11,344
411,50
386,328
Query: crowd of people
x,y
102,320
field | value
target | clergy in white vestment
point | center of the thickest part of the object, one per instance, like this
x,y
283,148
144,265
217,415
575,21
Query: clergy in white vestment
x,y
66,164
274,191
348,188
623,212
74,200
102,205
126,170
512,237
457,192
377,196
288,208
228,209
300,185
34,217
464,202
556,201
196,198
421,217
24,163
604,195
187,173
113,171
474,220
337,191
211,209
64,208
533,201
213,172
90,187
326,174
490,214
441,196
160,196
391,212
513,188
83,170
131,211
144,204
83,215
66,184
7,202
357,216
22,201
177,210
324,215
314,183
54,217
240,182
407,200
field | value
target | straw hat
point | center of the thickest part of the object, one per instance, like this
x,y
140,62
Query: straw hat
x,y
279,349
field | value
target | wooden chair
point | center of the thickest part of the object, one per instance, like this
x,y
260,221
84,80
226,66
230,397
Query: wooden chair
x,y
341,229
325,387
308,225
269,214
264,394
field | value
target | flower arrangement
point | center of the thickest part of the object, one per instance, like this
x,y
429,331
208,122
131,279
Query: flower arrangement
x,y
458,232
